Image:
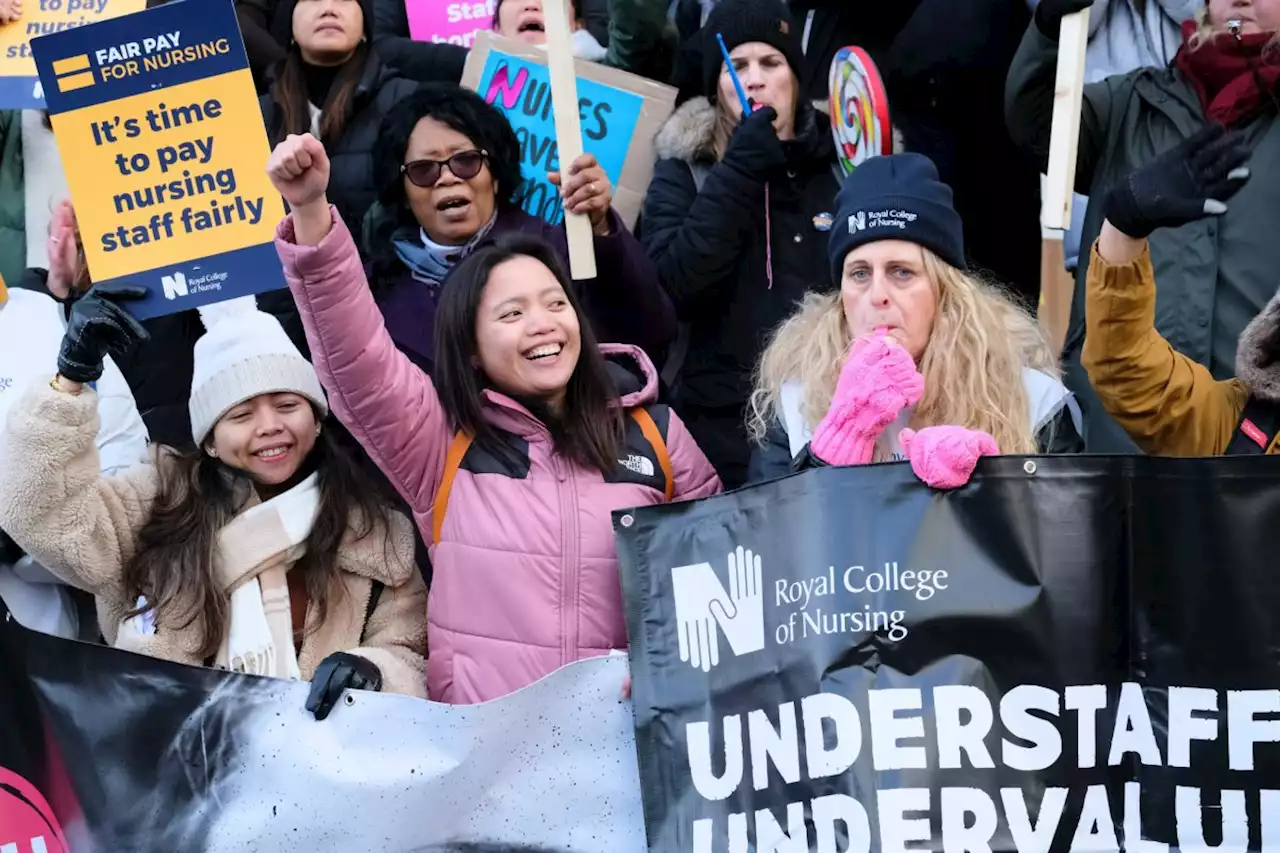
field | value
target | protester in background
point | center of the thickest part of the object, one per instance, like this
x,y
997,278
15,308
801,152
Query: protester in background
x,y
30,333
258,25
735,216
943,368
1170,404
532,430
449,168
264,551
1215,274
415,60
1125,35
333,85
589,20
943,64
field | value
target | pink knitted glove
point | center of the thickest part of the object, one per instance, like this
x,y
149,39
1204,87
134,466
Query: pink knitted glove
x,y
945,456
879,379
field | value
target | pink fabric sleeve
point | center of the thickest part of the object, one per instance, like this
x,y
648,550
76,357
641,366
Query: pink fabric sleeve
x,y
389,405
944,456
694,477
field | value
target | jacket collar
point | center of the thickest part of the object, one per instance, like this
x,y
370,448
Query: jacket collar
x,y
689,135
635,384
372,76
1258,353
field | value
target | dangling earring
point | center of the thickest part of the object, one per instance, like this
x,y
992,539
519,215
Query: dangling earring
x,y
213,452
319,428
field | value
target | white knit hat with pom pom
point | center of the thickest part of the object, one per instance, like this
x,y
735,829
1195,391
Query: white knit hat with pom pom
x,y
245,353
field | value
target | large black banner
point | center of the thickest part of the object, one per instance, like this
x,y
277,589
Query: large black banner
x,y
1072,653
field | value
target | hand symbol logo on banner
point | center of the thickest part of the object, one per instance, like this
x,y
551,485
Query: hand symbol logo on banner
x,y
702,603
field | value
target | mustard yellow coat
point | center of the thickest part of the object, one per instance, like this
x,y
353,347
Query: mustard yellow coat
x,y
1169,404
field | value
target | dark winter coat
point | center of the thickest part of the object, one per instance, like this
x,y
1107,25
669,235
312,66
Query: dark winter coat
x,y
351,185
624,303
710,249
419,61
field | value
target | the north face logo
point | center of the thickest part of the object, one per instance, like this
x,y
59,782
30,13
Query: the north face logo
x,y
702,603
637,465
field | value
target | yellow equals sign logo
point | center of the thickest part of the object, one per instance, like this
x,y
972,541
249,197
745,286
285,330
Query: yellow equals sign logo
x,y
73,73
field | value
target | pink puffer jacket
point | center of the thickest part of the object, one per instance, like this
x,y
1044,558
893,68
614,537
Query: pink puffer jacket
x,y
525,573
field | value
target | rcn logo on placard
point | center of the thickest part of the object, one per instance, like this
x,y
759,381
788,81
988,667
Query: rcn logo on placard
x,y
705,609
174,285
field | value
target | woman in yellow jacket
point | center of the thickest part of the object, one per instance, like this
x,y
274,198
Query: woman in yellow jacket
x,y
1169,404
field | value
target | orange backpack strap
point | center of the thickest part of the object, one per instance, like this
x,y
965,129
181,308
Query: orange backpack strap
x,y
452,461
650,431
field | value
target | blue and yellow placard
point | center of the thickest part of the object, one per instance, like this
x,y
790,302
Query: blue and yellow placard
x,y
160,132
20,88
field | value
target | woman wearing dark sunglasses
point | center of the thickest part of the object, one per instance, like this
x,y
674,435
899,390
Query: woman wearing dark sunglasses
x,y
449,172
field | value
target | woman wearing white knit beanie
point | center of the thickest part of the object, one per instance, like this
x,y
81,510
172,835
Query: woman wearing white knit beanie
x,y
265,551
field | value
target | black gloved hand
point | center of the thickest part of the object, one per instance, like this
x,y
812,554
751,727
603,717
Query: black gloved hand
x,y
340,671
97,327
1049,15
1182,185
754,147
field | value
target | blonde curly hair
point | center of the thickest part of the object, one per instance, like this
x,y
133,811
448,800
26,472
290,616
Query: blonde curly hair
x,y
972,366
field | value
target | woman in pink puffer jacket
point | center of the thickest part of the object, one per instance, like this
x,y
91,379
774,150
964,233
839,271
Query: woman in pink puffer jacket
x,y
561,433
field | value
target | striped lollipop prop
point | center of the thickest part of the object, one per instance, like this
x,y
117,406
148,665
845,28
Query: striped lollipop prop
x,y
859,109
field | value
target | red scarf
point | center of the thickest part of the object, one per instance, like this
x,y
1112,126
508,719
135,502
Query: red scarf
x,y
1226,71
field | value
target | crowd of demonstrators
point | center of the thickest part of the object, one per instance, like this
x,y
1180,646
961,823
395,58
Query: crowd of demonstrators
x,y
914,357
734,219
512,453
262,550
1215,274
449,168
488,414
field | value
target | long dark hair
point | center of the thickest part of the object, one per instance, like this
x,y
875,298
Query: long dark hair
x,y
289,91
173,567
588,430
457,108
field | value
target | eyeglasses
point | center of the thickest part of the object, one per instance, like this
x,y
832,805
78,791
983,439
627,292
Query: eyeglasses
x,y
464,165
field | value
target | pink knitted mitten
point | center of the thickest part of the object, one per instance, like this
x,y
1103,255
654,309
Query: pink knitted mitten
x,y
879,379
945,456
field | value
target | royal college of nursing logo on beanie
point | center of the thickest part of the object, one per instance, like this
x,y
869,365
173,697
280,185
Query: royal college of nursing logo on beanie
x,y
889,218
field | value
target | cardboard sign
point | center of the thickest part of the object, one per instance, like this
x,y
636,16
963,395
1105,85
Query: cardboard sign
x,y
20,88
455,22
159,128
620,114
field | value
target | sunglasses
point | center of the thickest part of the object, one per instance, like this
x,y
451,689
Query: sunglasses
x,y
464,165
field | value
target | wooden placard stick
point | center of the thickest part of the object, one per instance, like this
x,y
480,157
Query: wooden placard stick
x,y
1064,140
1056,286
564,99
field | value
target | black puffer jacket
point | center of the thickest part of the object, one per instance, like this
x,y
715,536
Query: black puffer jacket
x,y
710,249
351,185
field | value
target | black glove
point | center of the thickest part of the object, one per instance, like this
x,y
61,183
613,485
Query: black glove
x,y
1182,185
340,671
97,327
1049,15
754,147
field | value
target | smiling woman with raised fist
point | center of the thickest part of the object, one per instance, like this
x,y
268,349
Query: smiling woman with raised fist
x,y
512,454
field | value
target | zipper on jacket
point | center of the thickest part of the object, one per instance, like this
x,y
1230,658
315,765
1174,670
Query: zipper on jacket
x,y
569,617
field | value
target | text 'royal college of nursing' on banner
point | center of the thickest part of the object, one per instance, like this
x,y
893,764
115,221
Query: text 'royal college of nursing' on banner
x,y
161,135
20,87
1072,655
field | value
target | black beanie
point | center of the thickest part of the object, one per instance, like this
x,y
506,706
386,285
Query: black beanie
x,y
743,21
896,197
